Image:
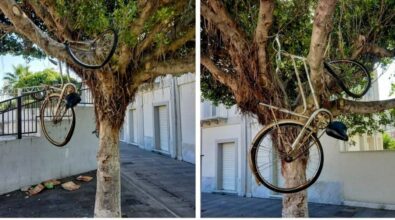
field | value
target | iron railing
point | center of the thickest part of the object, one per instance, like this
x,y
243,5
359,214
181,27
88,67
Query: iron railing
x,y
20,115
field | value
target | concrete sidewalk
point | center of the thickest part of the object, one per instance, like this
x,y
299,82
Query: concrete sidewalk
x,y
153,185
216,205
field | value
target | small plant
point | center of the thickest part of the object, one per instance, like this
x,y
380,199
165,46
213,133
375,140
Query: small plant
x,y
388,142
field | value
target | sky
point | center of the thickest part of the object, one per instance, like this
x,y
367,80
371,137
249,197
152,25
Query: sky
x,y
6,63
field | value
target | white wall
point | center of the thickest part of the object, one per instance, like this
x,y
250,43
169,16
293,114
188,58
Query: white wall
x,y
178,95
367,177
31,160
186,116
212,138
214,132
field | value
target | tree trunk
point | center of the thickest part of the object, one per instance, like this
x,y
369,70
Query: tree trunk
x,y
294,173
295,204
108,191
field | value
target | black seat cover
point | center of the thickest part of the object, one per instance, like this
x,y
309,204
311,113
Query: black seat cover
x,y
338,130
72,100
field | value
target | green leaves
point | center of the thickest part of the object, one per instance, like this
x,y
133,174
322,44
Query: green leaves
x,y
388,142
368,123
123,15
89,16
14,45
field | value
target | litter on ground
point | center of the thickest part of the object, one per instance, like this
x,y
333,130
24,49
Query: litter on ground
x,y
37,189
70,186
84,178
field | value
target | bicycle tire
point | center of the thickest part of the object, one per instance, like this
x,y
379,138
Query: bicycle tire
x,y
253,154
106,60
341,82
43,126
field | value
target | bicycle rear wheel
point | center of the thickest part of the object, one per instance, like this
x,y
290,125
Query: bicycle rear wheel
x,y
353,78
57,128
268,155
94,54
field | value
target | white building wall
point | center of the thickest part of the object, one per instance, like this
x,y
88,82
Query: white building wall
x,y
212,137
178,95
187,117
364,178
216,131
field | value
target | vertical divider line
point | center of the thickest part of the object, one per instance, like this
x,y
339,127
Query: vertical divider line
x,y
197,114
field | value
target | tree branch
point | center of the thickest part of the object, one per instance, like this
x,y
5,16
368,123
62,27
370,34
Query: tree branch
x,y
176,44
147,9
379,51
148,41
321,27
61,28
265,20
219,75
44,16
7,28
340,106
215,12
160,27
173,67
27,28
363,47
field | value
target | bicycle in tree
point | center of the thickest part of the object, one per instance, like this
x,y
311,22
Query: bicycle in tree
x,y
289,142
57,114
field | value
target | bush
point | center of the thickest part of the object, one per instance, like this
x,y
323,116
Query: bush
x,y
388,142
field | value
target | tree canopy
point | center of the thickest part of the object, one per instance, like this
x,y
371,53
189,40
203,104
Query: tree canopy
x,y
359,30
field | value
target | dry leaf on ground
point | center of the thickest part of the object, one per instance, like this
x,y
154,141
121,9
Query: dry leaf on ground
x,y
70,186
37,189
84,178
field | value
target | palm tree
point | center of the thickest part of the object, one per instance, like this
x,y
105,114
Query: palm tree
x,y
10,79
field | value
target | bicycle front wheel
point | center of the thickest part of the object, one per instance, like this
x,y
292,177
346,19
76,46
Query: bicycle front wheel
x,y
268,158
58,127
351,76
96,53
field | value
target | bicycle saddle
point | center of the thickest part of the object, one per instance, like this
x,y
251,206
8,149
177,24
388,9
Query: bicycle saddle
x,y
338,130
72,100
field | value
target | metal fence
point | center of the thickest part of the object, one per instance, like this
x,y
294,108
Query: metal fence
x,y
20,115
86,95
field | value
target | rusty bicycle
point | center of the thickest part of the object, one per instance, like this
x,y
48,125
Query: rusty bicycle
x,y
293,144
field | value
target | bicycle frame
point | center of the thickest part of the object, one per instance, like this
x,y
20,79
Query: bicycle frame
x,y
62,94
317,108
